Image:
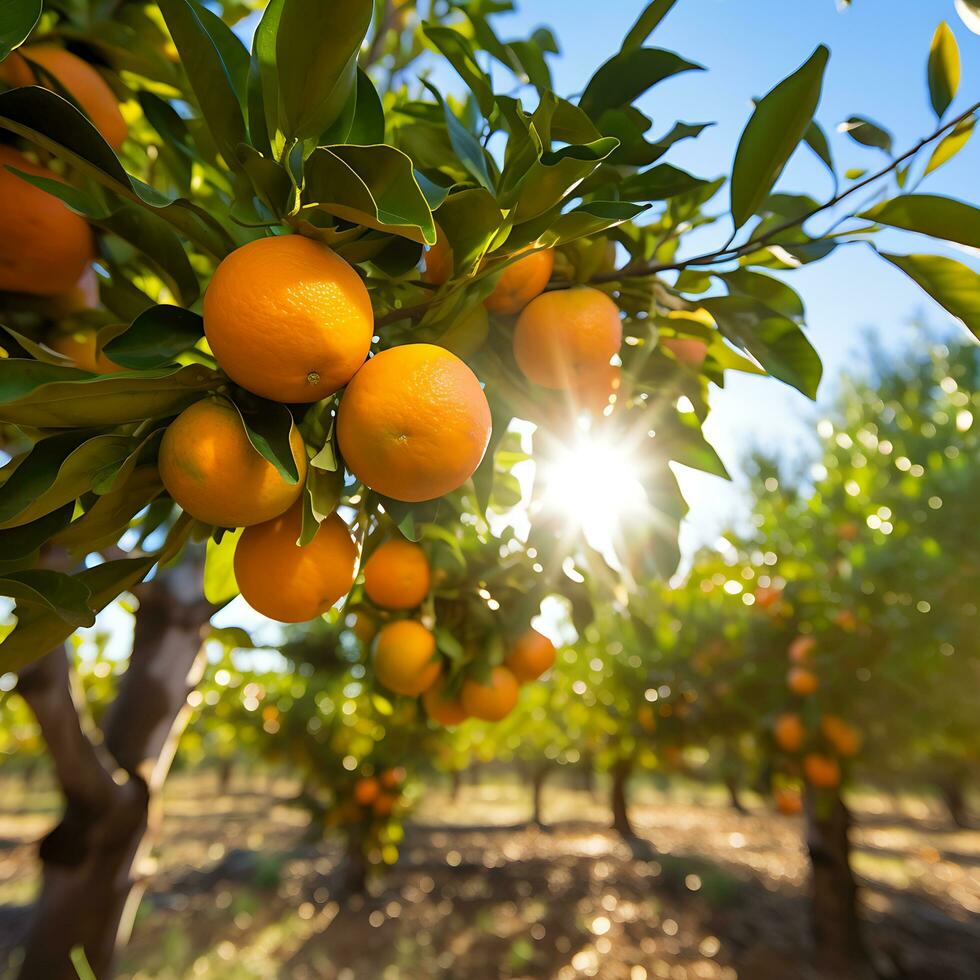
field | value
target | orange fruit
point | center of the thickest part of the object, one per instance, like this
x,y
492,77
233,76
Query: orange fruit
x,y
438,261
767,596
442,709
788,802
405,658
210,468
363,627
44,247
848,531
845,738
396,576
384,804
393,778
821,771
521,281
564,337
288,318
802,681
414,423
366,790
789,732
493,700
85,85
530,656
846,620
80,347
598,390
687,350
283,581
646,718
84,295
801,648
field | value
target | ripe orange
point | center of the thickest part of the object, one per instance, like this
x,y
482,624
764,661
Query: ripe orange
x,y
85,85
384,804
802,681
491,701
520,282
565,336
84,295
442,709
396,575
393,778
788,802
283,581
405,658
821,771
438,261
801,648
366,790
789,732
288,318
212,470
80,347
848,531
414,423
845,738
599,389
530,656
44,247
687,350
846,620
767,596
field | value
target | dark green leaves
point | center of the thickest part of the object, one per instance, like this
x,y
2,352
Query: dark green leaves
x,y
156,337
57,593
627,75
953,285
17,19
658,184
929,214
943,69
370,185
867,133
459,53
779,122
268,426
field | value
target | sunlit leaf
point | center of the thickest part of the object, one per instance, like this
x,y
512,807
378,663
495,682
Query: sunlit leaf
x,y
953,285
943,69
930,214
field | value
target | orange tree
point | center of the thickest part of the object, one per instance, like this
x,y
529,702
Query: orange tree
x,y
151,158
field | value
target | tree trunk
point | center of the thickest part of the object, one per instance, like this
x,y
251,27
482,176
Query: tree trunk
x,y
731,784
225,768
455,783
353,877
89,896
620,813
840,950
588,774
538,776
951,791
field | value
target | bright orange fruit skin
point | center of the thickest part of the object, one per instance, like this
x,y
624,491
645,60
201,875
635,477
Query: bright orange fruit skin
x,y
801,648
789,732
821,771
80,347
788,802
414,423
520,282
396,576
687,350
404,658
530,656
802,681
438,262
596,391
85,85
494,700
441,709
565,337
366,790
845,738
288,318
288,583
44,247
211,469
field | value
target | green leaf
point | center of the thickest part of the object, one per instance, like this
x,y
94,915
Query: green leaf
x,y
930,214
57,593
156,337
943,70
867,133
951,144
370,185
951,284
626,76
173,130
320,498
210,77
458,51
469,219
651,16
588,219
465,145
25,539
775,341
17,19
219,568
363,120
269,426
778,123
50,396
658,184
816,139
55,471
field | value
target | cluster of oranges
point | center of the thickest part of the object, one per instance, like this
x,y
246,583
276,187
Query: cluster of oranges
x,y
377,796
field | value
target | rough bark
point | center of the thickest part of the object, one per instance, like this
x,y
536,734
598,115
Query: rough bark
x,y
839,948
89,893
618,802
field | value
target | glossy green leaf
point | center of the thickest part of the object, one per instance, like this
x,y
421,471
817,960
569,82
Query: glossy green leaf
x,y
17,19
57,593
867,133
24,539
370,185
320,498
363,120
943,71
953,285
219,568
584,221
644,26
626,76
156,337
50,396
658,184
466,146
930,214
268,426
778,123
459,53
774,293
469,219
951,143
775,341
816,139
